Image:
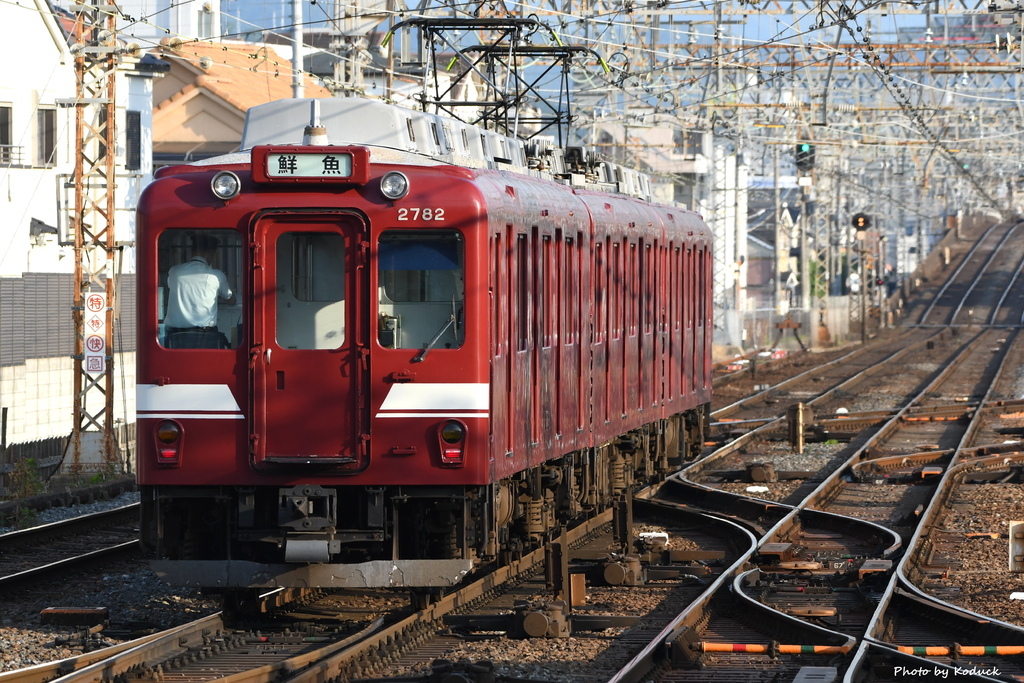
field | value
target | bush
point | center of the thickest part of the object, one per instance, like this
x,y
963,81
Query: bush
x,y
26,480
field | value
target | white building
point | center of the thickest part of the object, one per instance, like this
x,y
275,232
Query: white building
x,y
147,22
37,261
36,138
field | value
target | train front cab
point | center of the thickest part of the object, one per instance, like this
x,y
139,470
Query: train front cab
x,y
256,457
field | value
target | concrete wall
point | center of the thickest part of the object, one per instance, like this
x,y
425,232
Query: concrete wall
x,y
36,347
39,399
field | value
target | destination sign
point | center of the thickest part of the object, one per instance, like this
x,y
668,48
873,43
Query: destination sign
x,y
309,165
306,164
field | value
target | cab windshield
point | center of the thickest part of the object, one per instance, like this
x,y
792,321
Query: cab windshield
x,y
199,302
421,291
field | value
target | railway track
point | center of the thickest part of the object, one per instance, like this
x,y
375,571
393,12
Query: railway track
x,y
944,307
904,622
52,549
868,556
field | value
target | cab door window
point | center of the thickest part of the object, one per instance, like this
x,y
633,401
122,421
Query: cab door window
x,y
310,290
421,290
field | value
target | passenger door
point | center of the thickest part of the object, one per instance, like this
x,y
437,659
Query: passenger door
x,y
309,341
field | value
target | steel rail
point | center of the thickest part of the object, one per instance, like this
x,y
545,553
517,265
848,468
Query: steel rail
x,y
984,268
656,650
20,578
165,644
1006,293
901,579
331,667
951,280
856,353
64,526
741,441
59,669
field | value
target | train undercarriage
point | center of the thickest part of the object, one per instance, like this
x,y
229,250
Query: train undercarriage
x,y
416,536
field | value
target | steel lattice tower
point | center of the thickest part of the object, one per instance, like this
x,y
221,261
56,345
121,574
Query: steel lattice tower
x,y
96,55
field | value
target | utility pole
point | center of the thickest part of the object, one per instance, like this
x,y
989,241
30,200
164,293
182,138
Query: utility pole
x,y
349,42
96,54
298,75
806,281
781,239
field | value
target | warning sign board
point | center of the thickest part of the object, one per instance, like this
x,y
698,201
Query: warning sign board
x,y
95,350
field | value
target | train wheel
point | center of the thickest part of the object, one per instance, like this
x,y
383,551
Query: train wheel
x,y
444,537
242,603
422,598
513,552
428,530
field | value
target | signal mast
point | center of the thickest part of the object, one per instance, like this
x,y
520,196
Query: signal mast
x,y
96,58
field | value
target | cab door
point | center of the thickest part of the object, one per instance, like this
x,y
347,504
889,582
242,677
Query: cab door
x,y
308,342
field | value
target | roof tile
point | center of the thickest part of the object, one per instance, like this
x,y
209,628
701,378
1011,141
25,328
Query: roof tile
x,y
242,74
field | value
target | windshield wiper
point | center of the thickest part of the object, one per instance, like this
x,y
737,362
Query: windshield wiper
x,y
453,320
433,342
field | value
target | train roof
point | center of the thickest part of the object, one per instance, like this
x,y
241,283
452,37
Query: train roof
x,y
357,121
401,135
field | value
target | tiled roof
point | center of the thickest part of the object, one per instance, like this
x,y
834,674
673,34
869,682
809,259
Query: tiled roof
x,y
241,74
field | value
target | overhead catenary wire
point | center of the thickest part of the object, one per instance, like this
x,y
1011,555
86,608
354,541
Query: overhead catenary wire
x,y
775,40
658,81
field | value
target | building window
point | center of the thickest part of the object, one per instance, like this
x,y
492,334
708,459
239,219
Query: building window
x,y
6,134
688,142
205,22
133,141
46,125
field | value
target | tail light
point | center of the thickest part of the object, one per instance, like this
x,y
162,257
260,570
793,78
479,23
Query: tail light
x,y
451,436
168,437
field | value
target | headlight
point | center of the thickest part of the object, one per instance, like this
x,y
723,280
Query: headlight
x,y
394,185
226,185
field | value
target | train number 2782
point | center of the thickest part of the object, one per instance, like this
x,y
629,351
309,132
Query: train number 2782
x,y
416,213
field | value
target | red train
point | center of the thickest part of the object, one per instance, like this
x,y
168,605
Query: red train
x,y
431,346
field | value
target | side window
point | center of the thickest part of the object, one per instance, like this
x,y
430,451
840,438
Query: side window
x,y
600,295
199,289
521,291
421,292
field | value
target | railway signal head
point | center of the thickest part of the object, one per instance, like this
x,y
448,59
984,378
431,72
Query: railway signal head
x,y
804,155
861,221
